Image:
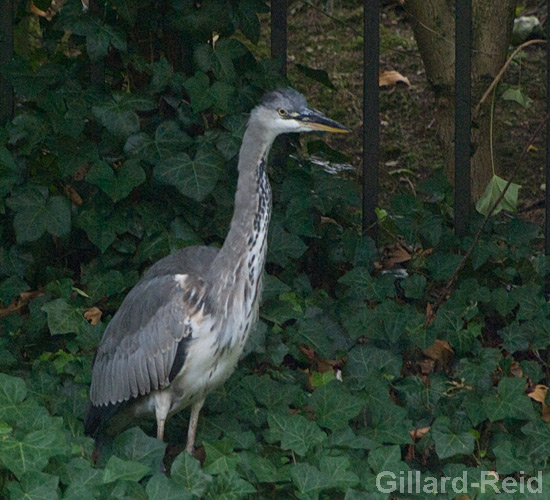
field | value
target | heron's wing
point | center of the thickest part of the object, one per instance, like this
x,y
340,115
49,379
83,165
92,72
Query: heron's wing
x,y
145,344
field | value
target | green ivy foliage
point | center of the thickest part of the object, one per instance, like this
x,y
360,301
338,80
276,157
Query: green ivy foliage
x,y
341,381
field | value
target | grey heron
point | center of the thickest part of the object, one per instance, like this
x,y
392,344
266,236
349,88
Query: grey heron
x,y
181,330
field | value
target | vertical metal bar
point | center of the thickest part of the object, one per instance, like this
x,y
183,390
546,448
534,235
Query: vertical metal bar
x,y
371,124
279,32
6,53
97,71
97,68
279,52
463,114
547,191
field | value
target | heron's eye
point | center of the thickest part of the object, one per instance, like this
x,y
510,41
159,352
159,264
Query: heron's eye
x,y
282,111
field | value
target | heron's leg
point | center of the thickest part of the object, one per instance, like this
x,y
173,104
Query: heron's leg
x,y
193,420
162,407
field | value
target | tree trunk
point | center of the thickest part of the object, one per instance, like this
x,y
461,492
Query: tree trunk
x,y
433,23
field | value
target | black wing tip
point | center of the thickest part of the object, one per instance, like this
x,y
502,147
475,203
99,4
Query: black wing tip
x,y
97,417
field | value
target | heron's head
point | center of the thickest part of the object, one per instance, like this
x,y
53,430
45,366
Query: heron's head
x,y
286,110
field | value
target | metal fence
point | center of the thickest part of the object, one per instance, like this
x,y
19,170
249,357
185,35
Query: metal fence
x,y
463,113
370,186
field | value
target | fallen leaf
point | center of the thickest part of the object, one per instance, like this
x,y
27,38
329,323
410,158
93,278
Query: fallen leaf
x,y
93,315
438,350
308,351
73,195
427,366
418,434
395,254
539,393
516,370
19,302
392,78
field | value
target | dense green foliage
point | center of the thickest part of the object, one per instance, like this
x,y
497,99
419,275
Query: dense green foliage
x,y
97,183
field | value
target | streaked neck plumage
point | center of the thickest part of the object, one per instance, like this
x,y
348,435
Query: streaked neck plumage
x,y
236,272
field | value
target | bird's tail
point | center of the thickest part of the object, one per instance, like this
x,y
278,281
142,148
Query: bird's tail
x,y
95,426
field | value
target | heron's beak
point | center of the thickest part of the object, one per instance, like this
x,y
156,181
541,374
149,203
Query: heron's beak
x,y
315,120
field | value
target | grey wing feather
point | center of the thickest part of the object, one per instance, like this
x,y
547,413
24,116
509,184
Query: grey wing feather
x,y
140,343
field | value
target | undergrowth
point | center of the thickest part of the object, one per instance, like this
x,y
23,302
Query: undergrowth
x,y
344,381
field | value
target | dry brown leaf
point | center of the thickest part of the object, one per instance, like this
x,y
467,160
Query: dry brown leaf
x,y
93,315
516,370
37,12
539,393
73,195
394,255
392,78
310,353
439,350
418,434
427,366
31,294
19,302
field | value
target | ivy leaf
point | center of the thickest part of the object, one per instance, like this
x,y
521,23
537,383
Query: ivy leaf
x,y
107,284
119,184
27,81
100,229
247,12
333,407
161,487
98,38
363,286
493,190
63,318
510,402
38,213
308,478
517,95
11,287
509,459
126,470
12,392
367,361
317,75
389,421
220,457
229,486
34,486
134,445
385,458
187,472
193,178
198,87
295,432
442,266
8,172
414,286
32,452
336,471
283,245
126,9
263,469
118,115
450,442
538,434
169,139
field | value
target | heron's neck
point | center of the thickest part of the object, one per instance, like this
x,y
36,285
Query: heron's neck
x,y
242,255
